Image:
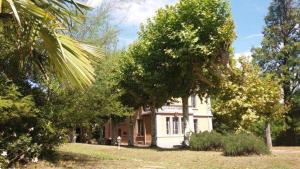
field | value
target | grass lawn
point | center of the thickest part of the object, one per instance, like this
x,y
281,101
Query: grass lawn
x,y
84,156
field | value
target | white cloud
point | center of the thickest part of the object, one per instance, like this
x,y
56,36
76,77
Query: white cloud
x,y
129,14
246,54
253,36
94,3
136,12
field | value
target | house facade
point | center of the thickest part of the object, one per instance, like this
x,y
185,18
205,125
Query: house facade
x,y
169,124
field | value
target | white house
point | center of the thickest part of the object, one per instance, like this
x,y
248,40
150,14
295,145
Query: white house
x,y
168,123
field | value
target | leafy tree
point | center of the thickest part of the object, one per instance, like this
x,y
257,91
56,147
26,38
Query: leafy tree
x,y
35,32
25,131
97,104
185,47
279,53
97,28
12,104
247,97
141,89
101,101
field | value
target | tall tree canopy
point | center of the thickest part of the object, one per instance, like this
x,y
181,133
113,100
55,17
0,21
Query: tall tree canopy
x,y
185,47
279,53
142,88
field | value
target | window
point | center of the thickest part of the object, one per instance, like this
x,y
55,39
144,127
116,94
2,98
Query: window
x,y
175,125
196,125
120,132
193,100
182,125
168,127
140,127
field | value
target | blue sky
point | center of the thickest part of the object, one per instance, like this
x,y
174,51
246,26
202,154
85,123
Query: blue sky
x,y
248,16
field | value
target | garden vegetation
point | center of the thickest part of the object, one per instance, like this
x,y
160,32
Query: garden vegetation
x,y
230,144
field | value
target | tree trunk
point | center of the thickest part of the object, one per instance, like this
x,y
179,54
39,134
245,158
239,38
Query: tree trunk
x,y
114,130
290,118
72,135
130,132
153,126
268,137
185,114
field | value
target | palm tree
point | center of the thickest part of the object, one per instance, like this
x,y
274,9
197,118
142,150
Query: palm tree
x,y
37,31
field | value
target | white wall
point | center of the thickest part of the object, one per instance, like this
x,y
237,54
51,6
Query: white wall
x,y
201,112
165,140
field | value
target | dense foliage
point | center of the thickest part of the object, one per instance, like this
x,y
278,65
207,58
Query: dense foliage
x,y
183,50
231,144
279,54
244,144
246,98
26,131
46,77
205,141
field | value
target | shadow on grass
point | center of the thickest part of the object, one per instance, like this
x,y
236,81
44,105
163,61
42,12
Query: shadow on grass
x,y
179,148
62,157
59,158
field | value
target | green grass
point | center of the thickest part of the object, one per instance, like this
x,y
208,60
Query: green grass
x,y
89,150
84,156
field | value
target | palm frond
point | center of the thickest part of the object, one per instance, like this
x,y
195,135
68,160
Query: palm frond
x,y
70,60
15,12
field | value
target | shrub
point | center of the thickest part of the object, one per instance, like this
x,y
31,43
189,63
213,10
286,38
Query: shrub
x,y
244,144
206,141
26,131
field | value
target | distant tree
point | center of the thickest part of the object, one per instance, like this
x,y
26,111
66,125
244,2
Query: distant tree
x,y
97,28
279,53
186,47
247,97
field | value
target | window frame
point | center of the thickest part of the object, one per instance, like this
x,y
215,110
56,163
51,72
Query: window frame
x,y
168,125
193,100
175,123
141,131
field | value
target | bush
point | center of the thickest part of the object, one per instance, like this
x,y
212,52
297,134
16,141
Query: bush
x,y
231,144
26,131
244,144
206,141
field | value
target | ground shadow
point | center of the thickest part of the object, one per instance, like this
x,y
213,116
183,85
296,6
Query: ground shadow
x,y
63,157
179,148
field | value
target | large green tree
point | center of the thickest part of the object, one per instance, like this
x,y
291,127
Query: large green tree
x,y
279,53
141,88
247,97
186,46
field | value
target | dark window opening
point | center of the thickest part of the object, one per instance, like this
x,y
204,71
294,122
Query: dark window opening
x,y
196,125
119,132
140,127
193,100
